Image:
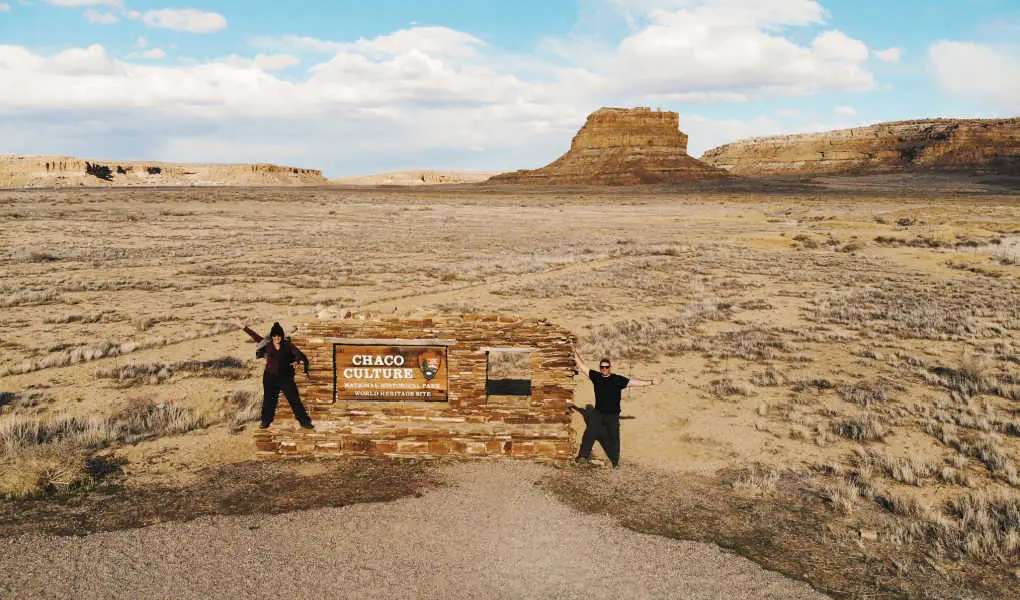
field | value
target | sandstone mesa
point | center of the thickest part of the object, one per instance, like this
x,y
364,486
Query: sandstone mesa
x,y
962,145
622,146
66,171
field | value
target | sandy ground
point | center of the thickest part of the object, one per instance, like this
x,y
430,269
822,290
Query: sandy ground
x,y
491,534
163,270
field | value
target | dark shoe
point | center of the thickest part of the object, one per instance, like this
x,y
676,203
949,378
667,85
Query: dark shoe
x,y
582,460
307,426
264,425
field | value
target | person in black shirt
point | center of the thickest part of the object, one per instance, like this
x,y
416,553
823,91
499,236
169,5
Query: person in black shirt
x,y
602,424
280,355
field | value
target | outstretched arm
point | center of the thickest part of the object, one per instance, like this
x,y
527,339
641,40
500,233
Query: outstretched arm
x,y
240,325
582,367
635,382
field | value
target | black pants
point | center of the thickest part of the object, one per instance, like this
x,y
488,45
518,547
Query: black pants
x,y
273,385
604,429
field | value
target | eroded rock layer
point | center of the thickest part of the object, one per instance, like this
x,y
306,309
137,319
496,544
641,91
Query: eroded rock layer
x,y
65,171
621,146
975,145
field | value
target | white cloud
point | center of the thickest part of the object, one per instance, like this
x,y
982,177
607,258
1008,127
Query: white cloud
x,y
265,62
190,20
771,13
845,111
95,16
892,55
4,7
79,3
988,75
428,96
710,49
78,63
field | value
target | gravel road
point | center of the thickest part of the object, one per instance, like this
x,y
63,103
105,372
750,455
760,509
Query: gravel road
x,y
492,534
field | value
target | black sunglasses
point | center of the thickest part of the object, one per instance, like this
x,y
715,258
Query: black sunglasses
x,y
603,366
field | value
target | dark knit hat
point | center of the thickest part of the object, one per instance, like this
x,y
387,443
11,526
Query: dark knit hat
x,y
276,330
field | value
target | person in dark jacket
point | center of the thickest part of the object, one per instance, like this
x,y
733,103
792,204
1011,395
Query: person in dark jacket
x,y
280,354
602,422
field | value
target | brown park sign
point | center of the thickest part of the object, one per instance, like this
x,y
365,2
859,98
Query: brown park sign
x,y
390,373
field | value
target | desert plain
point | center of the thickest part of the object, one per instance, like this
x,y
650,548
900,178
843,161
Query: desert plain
x,y
840,358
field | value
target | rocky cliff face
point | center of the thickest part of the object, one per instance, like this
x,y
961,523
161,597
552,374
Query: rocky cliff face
x,y
65,171
975,145
414,178
620,146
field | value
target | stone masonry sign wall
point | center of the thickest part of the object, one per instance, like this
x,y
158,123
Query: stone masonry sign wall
x,y
423,383
384,372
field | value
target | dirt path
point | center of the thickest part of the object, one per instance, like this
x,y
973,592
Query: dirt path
x,y
491,534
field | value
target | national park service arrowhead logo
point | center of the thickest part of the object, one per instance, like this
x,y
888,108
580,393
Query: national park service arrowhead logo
x,y
430,362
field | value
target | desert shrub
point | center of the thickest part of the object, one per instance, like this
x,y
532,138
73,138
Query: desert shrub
x,y
842,494
864,393
807,241
901,504
154,372
934,311
751,345
770,377
104,349
29,298
911,471
866,428
241,407
971,377
145,322
90,317
728,387
17,432
853,246
51,468
144,419
989,523
153,420
758,479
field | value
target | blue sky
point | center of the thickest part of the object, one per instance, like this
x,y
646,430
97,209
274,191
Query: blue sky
x,y
368,87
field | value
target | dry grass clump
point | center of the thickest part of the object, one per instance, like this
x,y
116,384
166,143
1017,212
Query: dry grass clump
x,y
986,447
842,494
18,401
51,468
30,298
42,455
25,431
89,317
152,420
726,387
987,525
241,407
154,372
146,322
911,471
935,311
106,348
758,479
972,377
866,428
770,377
751,345
638,338
864,393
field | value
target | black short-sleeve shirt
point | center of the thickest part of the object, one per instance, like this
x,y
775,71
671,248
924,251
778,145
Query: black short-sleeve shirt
x,y
607,391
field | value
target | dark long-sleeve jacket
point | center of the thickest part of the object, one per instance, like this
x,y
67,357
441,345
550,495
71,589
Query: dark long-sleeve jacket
x,y
278,362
